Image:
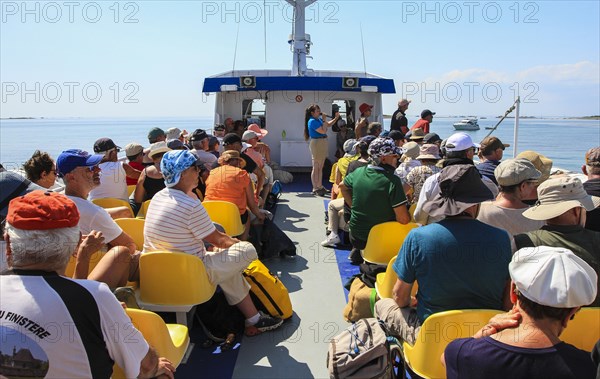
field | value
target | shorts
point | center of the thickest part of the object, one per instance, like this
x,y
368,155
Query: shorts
x,y
318,149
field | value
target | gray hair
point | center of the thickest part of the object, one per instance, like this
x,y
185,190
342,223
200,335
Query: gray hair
x,y
51,248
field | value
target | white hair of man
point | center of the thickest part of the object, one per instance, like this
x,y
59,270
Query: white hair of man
x,y
52,248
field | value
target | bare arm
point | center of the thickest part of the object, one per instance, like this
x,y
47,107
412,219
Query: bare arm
x,y
140,192
221,240
260,175
402,215
124,240
88,246
401,293
327,124
152,366
131,172
251,202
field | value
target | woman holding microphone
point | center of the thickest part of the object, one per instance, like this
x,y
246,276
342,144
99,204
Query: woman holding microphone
x,y
315,129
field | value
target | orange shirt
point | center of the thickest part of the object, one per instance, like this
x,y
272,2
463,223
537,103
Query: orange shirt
x,y
423,124
228,183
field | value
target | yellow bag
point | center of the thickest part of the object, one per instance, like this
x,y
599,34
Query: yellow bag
x,y
269,290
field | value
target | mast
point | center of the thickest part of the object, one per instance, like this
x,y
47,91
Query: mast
x,y
299,42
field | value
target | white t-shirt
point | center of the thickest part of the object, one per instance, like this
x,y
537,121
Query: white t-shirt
x,y
69,328
113,182
93,217
176,222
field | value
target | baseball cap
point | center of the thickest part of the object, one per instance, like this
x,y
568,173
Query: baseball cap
x,y
558,195
173,133
174,162
553,276
176,144
381,147
103,145
231,138
219,127
489,144
541,163
350,147
396,135
248,135
364,107
431,138
459,142
69,160
515,171
426,113
154,134
133,148
11,186
198,135
42,210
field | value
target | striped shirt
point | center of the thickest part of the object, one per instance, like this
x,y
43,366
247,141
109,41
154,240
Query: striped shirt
x,y
176,222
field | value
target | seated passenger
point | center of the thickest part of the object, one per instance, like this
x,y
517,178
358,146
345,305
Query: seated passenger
x,y
409,161
135,156
429,155
199,140
41,169
229,182
151,180
374,194
549,285
518,181
77,327
458,263
80,173
563,203
177,221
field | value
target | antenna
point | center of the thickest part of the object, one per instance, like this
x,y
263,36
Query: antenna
x,y
237,36
362,41
265,26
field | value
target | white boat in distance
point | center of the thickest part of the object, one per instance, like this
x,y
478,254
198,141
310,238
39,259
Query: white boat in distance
x,y
466,124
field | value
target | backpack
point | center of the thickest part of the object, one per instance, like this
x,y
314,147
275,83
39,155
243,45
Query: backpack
x,y
274,195
365,350
268,290
361,301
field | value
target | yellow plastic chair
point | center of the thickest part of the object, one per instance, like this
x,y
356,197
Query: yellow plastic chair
x,y
436,333
384,283
226,214
170,340
584,330
111,202
173,282
143,209
130,189
134,227
385,240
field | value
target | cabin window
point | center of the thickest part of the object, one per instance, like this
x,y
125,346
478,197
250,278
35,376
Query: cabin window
x,y
254,112
346,109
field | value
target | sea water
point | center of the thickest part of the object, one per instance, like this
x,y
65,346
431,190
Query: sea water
x,y
565,141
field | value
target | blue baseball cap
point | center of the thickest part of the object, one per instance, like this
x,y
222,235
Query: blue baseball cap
x,y
175,162
69,160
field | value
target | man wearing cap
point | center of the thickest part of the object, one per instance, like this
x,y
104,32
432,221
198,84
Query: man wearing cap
x,y
177,221
156,135
374,194
460,149
458,263
591,169
433,138
199,140
135,155
113,174
491,151
234,142
360,129
397,137
77,327
424,121
249,144
80,173
399,121
562,204
518,181
549,285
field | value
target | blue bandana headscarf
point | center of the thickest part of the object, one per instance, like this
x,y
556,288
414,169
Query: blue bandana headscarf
x,y
173,163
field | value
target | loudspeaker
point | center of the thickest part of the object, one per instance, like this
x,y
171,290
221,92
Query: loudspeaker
x,y
247,81
349,82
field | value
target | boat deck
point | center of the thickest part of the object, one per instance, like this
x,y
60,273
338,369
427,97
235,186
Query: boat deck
x,y
298,349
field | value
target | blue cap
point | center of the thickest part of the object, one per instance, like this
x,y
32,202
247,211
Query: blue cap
x,y
175,162
69,160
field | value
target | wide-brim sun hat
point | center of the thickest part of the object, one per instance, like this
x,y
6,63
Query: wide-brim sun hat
x,y
157,148
460,188
557,195
260,133
429,151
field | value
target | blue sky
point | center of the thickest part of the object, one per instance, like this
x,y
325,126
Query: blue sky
x,y
149,58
